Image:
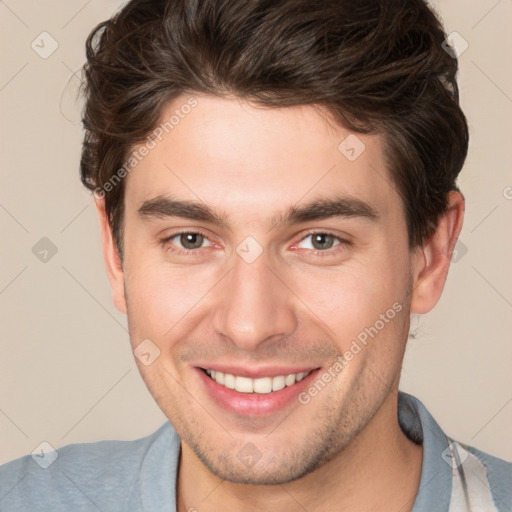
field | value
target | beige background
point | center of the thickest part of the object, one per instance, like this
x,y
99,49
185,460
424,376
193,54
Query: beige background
x,y
66,370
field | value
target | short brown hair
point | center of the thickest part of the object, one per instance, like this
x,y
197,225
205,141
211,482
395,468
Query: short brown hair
x,y
378,66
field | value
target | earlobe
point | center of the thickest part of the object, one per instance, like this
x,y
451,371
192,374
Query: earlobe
x,y
431,262
111,258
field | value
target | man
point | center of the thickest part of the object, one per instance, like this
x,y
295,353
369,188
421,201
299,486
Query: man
x,y
275,183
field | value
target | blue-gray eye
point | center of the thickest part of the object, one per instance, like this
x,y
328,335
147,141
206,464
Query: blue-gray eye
x,y
321,241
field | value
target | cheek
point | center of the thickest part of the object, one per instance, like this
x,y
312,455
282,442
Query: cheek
x,y
352,297
341,299
164,298
365,305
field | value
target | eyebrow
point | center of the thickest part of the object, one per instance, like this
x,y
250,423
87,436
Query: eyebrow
x,y
324,208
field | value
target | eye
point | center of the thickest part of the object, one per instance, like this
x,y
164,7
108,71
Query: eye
x,y
320,241
186,241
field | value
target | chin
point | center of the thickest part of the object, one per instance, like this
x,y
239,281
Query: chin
x,y
247,465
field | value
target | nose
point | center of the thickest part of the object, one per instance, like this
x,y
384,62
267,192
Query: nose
x,y
253,305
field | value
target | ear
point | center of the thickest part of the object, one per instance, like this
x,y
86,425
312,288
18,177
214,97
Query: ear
x,y
111,257
432,260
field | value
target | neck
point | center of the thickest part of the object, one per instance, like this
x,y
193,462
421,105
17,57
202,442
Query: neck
x,y
379,471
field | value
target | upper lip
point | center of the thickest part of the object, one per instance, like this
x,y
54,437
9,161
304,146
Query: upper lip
x,y
255,372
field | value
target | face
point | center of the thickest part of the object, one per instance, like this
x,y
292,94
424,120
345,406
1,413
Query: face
x,y
258,249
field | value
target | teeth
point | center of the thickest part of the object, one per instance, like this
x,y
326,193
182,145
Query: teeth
x,y
278,383
290,379
243,384
229,380
262,385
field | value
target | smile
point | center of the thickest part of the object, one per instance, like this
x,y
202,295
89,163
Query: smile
x,y
263,385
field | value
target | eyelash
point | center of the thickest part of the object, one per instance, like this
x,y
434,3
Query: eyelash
x,y
327,252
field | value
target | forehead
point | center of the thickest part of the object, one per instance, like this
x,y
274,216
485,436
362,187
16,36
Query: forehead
x,y
257,160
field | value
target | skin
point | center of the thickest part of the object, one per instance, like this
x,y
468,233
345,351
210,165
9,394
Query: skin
x,y
295,304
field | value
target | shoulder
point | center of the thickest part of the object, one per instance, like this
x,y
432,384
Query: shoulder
x,y
492,471
88,475
455,476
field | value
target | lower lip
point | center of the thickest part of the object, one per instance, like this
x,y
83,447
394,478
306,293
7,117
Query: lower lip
x,y
254,404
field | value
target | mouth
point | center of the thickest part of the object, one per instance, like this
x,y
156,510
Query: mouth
x,y
262,394
262,385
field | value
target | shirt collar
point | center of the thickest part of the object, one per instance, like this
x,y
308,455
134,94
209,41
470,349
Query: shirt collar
x,y
436,475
